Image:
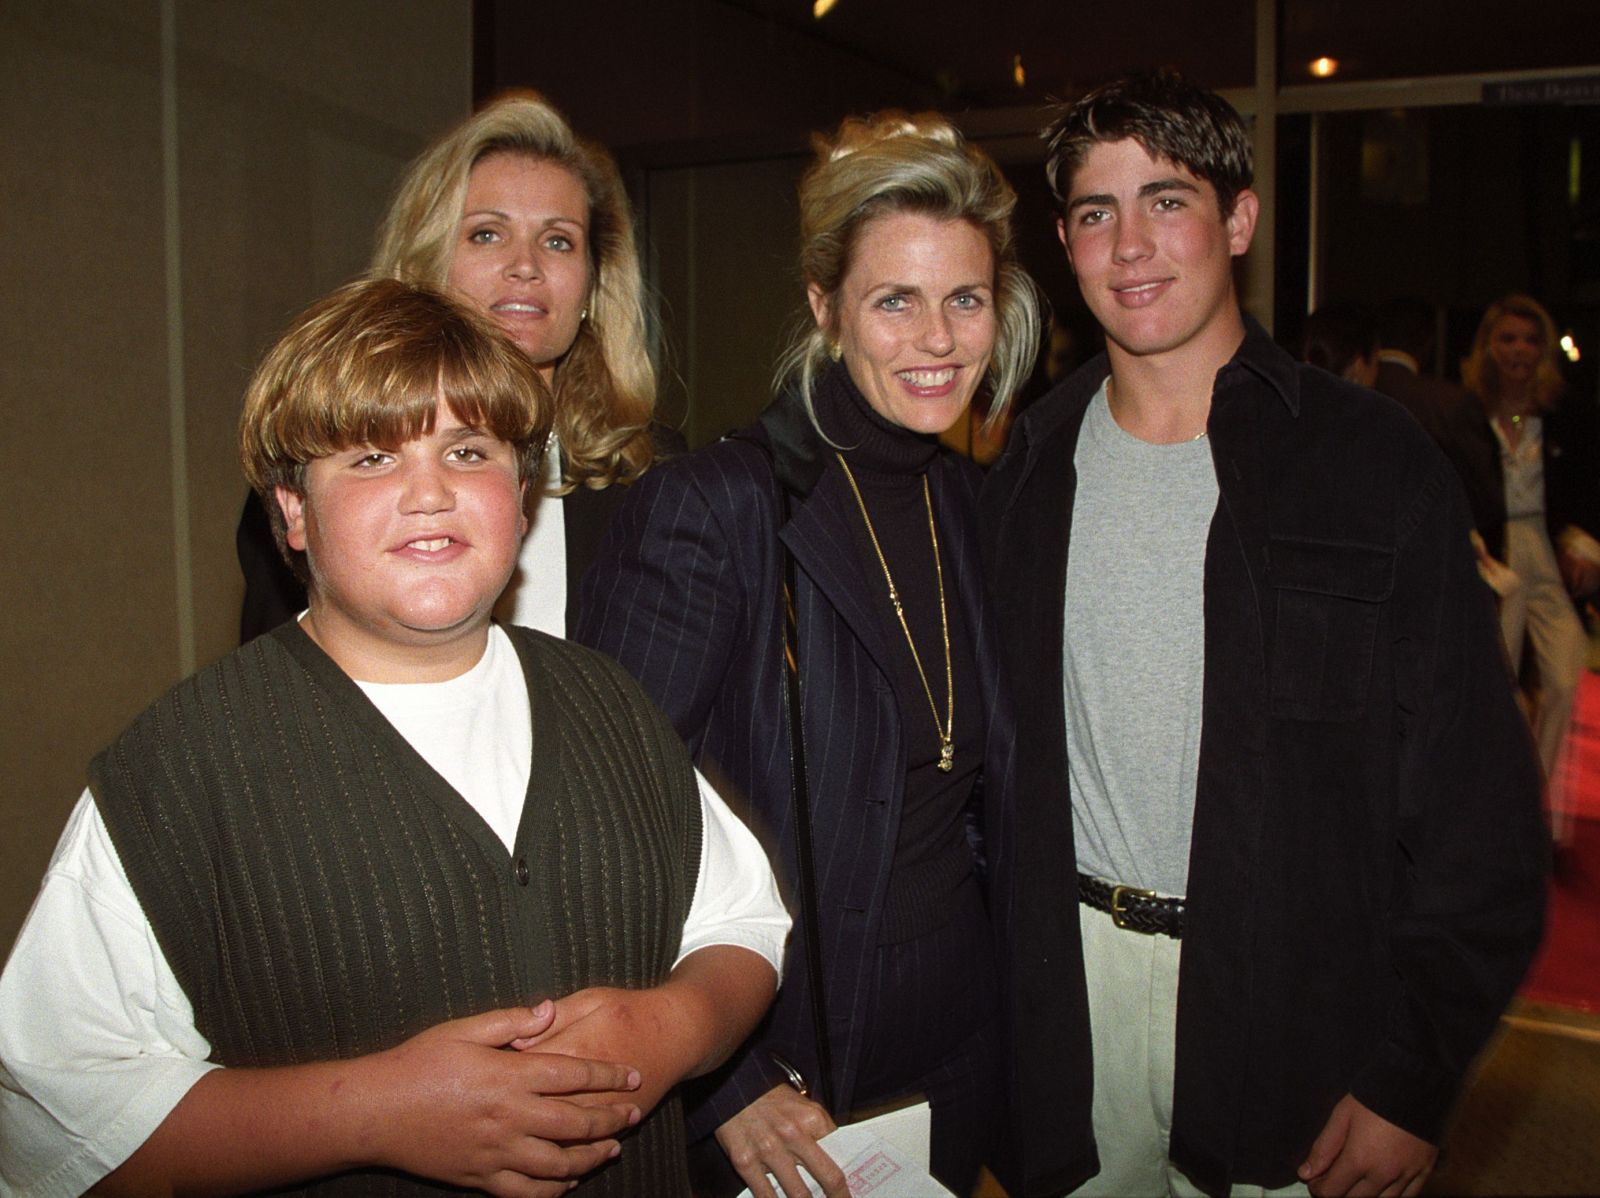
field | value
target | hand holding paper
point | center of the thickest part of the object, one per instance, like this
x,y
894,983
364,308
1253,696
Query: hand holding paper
x,y
885,1157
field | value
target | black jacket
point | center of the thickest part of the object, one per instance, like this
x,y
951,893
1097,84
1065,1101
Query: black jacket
x,y
1454,419
1366,868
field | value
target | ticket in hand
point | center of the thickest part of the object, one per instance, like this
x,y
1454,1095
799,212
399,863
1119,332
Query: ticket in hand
x,y
884,1157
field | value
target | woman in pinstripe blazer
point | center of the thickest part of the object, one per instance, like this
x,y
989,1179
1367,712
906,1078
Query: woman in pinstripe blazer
x,y
840,486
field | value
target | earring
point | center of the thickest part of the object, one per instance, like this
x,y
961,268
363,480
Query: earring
x,y
584,315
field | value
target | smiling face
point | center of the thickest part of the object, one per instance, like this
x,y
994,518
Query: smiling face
x,y
1154,256
1516,344
914,316
522,253
408,548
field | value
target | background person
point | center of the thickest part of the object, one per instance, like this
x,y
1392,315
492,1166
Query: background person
x,y
917,303
1406,375
1341,337
530,224
1540,461
1448,415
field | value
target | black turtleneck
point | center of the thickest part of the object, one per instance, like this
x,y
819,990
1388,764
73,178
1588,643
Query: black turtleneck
x,y
888,462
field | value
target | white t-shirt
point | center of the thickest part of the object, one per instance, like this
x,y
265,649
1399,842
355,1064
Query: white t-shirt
x,y
536,596
97,1039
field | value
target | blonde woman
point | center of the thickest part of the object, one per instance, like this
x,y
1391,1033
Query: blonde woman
x,y
529,223
840,499
1541,463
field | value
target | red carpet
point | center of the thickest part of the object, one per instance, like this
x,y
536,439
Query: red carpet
x,y
1567,969
1575,789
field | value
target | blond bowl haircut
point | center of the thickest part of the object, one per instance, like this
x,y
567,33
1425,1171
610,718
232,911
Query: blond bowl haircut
x,y
1482,376
605,385
367,365
889,163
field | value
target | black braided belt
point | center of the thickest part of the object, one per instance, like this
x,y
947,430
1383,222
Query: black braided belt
x,y
1134,909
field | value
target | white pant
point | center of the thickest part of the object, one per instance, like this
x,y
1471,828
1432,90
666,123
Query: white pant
x,y
1133,1018
1541,614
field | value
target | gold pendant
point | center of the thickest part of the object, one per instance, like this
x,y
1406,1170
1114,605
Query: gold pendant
x,y
947,755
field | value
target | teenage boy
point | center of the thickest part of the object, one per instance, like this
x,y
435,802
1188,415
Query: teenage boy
x,y
392,899
1260,707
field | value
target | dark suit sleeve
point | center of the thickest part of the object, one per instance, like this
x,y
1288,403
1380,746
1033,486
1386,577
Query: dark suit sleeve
x,y
1469,911
272,594
662,597
671,597
587,513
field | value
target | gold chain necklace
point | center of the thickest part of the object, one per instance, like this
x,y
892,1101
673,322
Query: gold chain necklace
x,y
947,747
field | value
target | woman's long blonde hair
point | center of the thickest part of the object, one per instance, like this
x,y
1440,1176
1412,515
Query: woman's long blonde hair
x,y
605,385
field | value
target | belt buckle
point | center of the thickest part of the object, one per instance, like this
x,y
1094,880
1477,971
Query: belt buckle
x,y
1119,913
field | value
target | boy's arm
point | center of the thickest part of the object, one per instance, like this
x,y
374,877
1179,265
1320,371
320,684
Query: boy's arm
x,y
1467,913
736,899
97,1039
1467,921
446,1104
721,985
683,1028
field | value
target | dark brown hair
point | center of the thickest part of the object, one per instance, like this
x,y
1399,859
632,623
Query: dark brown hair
x,y
1170,116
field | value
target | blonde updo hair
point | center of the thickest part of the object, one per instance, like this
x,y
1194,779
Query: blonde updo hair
x,y
605,386
1482,376
893,162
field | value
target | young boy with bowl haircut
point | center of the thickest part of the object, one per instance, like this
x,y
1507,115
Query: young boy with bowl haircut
x,y
392,899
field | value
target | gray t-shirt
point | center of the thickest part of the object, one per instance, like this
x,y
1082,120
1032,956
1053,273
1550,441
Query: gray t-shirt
x,y
1134,649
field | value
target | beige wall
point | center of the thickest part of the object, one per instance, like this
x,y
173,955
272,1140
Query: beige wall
x,y
245,150
722,244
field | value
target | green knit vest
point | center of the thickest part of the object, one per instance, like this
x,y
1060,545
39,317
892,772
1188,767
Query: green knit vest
x,y
321,893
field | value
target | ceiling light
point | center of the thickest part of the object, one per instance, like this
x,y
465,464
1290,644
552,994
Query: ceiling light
x,y
1570,348
1019,75
821,8
1324,67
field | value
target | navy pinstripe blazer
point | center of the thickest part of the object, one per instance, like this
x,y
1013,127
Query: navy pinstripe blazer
x,y
687,594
